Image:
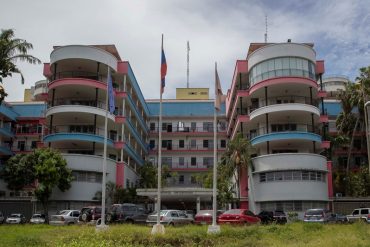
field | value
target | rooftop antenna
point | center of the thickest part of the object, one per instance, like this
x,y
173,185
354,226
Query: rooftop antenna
x,y
187,70
266,28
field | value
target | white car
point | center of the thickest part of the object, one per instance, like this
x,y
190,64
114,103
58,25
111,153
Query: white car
x,y
16,219
37,219
65,217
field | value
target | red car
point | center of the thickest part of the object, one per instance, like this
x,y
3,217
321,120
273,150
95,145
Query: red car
x,y
238,216
205,217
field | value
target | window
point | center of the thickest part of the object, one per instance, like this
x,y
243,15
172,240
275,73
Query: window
x,y
262,177
223,143
152,126
193,144
21,145
34,144
356,212
207,126
181,143
127,183
193,126
305,175
167,161
208,161
151,144
364,211
181,179
181,161
193,161
208,144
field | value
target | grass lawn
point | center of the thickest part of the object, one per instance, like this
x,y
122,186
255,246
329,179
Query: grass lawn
x,y
295,234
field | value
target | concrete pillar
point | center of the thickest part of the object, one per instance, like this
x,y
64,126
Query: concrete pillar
x,y
198,204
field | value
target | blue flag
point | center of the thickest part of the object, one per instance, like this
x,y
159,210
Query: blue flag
x,y
110,93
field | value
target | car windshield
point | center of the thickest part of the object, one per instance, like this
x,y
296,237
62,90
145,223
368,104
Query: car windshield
x,y
205,212
37,216
314,212
163,213
64,212
233,211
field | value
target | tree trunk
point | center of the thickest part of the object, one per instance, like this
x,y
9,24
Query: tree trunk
x,y
351,147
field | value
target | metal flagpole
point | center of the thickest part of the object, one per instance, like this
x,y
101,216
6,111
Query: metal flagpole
x,y
103,225
214,228
158,228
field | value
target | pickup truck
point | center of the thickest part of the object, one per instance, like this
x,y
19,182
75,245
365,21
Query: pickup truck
x,y
359,214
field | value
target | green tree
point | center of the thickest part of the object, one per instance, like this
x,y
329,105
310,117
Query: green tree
x,y
237,157
12,50
358,183
51,172
18,172
148,176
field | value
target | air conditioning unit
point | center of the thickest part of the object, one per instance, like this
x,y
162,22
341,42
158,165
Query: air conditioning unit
x,y
338,195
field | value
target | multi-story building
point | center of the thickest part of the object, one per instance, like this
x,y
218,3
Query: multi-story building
x,y
187,146
274,102
75,117
332,105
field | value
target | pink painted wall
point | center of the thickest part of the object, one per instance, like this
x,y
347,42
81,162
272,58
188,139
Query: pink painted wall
x,y
120,172
330,179
241,66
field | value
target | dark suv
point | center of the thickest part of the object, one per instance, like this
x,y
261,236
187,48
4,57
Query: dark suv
x,y
127,212
90,213
268,217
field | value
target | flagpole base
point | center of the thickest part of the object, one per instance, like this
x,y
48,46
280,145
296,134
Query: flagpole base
x,y
158,229
101,228
214,229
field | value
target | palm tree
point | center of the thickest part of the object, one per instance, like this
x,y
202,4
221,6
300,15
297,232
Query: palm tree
x,y
11,50
237,157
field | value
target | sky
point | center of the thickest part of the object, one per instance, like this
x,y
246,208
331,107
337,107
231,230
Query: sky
x,y
218,31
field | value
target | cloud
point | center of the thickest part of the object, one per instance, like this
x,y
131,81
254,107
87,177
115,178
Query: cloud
x,y
218,31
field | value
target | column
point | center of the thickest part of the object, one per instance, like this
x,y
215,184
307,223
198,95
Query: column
x,y
198,204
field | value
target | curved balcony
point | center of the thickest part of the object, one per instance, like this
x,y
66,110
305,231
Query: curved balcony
x,y
80,133
290,135
83,52
69,105
288,161
40,90
185,148
83,81
286,80
281,50
283,107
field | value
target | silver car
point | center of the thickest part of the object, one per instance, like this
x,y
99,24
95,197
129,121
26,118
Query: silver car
x,y
37,219
317,215
170,217
16,219
65,217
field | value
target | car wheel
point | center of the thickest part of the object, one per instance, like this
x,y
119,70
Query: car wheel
x,y
70,223
84,217
108,218
171,224
129,221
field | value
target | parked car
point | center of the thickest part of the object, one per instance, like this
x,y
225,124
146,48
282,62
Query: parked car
x,y
359,214
65,217
238,216
16,219
37,219
317,215
337,218
2,218
170,217
277,216
90,214
127,212
205,217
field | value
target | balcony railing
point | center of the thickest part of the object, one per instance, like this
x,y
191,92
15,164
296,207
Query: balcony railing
x,y
189,165
281,100
283,128
79,74
82,102
187,129
82,129
188,147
